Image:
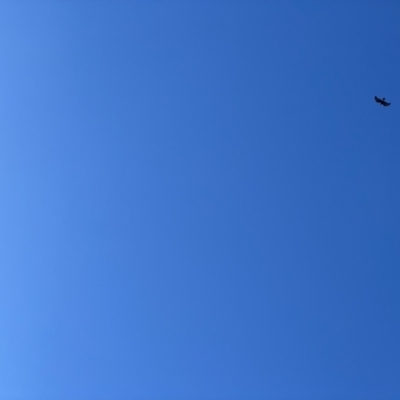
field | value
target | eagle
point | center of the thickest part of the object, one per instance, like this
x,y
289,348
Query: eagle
x,y
382,101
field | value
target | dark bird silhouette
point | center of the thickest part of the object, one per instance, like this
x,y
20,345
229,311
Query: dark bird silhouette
x,y
382,101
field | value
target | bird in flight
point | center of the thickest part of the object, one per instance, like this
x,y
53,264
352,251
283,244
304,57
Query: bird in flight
x,y
382,101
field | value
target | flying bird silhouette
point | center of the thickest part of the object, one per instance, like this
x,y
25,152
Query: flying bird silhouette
x,y
382,101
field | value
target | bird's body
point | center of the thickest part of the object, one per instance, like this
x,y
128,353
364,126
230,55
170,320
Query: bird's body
x,y
382,101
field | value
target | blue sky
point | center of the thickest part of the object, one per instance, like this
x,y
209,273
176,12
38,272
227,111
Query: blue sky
x,y
200,200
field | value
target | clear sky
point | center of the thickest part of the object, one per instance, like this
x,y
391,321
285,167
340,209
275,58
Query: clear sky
x,y
199,200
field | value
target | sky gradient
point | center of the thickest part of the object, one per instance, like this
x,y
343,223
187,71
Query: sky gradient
x,y
199,200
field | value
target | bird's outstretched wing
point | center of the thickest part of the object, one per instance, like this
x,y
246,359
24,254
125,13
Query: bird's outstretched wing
x,y
378,100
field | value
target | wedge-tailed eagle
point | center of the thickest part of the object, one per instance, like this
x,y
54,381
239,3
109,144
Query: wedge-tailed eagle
x,y
382,101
